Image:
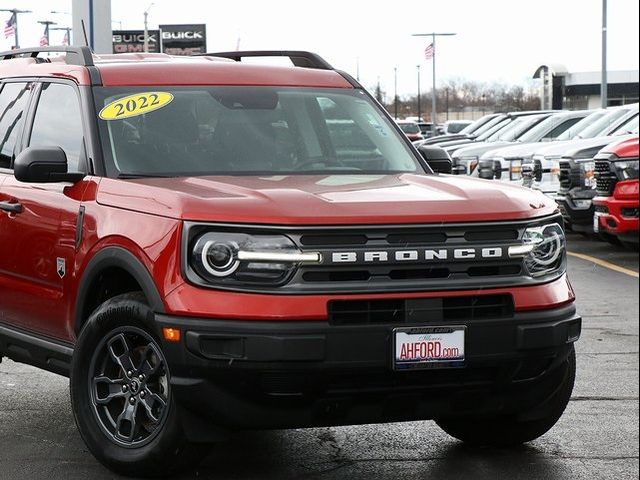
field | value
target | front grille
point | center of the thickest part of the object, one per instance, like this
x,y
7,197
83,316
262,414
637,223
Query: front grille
x,y
406,258
606,179
419,310
569,176
358,275
537,170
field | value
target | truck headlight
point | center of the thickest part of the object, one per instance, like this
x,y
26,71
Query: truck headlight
x,y
223,258
515,169
588,173
543,249
627,169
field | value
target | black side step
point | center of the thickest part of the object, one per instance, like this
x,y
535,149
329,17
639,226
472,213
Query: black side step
x,y
34,350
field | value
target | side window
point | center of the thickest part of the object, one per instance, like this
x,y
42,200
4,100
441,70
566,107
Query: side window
x,y
58,122
13,102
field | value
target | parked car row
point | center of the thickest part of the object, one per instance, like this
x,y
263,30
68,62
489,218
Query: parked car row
x,y
587,161
413,126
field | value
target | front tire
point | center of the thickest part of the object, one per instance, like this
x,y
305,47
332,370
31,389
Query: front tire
x,y
507,430
121,393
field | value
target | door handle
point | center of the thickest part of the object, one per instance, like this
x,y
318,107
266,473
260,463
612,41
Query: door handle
x,y
11,207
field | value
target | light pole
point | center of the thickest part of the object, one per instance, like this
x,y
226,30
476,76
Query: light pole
x,y
603,86
15,13
419,110
395,92
146,28
433,35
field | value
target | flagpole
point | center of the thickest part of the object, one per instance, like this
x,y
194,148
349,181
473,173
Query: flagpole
x,y
15,13
46,24
433,35
67,31
434,113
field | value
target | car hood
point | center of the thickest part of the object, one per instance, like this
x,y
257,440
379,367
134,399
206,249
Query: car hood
x,y
326,200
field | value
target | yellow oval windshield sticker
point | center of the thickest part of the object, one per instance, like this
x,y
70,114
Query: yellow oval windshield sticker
x,y
133,105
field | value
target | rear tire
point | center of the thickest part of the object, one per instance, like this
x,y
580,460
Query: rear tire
x,y
507,430
121,393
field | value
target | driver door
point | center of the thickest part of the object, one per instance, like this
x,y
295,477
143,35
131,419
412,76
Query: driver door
x,y
38,238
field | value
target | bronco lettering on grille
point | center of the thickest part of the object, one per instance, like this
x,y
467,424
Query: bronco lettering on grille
x,y
402,256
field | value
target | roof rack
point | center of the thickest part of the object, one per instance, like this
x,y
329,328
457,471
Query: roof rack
x,y
75,55
298,57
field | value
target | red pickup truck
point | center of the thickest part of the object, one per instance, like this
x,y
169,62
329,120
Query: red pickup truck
x,y
204,245
616,206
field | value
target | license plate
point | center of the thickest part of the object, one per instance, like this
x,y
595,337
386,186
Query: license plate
x,y
428,347
596,222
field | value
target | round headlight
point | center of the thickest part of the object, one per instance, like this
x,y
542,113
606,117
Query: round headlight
x,y
548,252
219,259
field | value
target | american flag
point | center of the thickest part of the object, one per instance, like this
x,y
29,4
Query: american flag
x,y
44,39
65,39
429,52
10,27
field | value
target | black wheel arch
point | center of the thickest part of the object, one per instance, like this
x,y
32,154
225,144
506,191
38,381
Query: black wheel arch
x,y
115,257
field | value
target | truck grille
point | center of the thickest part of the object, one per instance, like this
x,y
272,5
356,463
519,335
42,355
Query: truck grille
x,y
419,310
569,175
606,179
357,275
537,170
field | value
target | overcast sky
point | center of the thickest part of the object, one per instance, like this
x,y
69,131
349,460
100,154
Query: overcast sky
x,y
497,40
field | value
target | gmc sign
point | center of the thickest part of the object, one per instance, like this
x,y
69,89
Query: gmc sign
x,y
184,39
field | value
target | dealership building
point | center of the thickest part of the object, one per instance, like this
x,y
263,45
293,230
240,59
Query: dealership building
x,y
561,89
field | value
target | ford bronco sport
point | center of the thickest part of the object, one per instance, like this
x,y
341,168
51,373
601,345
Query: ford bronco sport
x,y
204,245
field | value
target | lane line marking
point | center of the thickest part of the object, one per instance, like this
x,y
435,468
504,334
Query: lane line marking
x,y
605,264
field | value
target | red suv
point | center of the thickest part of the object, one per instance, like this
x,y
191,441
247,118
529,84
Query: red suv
x,y
205,245
616,206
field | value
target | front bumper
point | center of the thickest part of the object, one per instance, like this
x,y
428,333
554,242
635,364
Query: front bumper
x,y
578,217
611,217
257,374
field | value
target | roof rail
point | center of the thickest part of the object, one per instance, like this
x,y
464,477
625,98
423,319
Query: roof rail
x,y
298,58
75,55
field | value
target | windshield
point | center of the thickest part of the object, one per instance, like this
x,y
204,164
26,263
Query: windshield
x,y
573,132
604,123
502,123
630,126
409,127
543,128
488,128
192,131
519,127
456,127
472,127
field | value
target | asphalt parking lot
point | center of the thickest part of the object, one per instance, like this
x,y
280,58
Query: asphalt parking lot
x,y
596,438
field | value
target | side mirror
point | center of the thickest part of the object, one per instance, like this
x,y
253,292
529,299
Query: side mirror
x,y
437,158
43,165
